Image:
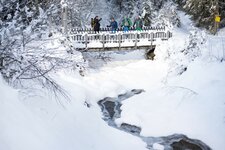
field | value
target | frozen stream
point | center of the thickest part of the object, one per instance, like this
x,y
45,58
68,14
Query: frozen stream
x,y
111,111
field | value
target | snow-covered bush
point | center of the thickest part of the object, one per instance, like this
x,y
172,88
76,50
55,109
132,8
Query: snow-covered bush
x,y
31,49
187,53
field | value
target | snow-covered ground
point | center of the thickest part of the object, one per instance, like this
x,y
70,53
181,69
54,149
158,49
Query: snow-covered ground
x,y
190,103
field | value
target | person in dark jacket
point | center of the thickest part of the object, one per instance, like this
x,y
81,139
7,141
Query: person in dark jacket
x,y
97,24
138,23
113,25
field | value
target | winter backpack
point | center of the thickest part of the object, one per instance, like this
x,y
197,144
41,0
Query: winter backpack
x,y
139,24
92,22
126,22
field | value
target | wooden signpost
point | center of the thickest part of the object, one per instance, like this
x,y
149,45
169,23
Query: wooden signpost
x,y
217,22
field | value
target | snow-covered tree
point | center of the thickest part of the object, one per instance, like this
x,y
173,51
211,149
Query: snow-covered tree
x,y
28,50
221,6
79,12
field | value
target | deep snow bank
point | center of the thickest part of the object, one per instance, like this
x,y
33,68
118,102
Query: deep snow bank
x,y
39,123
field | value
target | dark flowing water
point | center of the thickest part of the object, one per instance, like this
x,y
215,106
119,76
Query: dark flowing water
x,y
111,111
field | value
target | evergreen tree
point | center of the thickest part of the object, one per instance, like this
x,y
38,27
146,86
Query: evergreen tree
x,y
221,4
203,11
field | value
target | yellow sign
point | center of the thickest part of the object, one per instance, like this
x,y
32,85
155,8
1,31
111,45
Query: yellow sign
x,y
217,18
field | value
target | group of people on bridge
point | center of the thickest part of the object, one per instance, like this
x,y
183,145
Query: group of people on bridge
x,y
126,24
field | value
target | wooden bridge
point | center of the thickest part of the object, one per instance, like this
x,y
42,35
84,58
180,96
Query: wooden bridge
x,y
87,39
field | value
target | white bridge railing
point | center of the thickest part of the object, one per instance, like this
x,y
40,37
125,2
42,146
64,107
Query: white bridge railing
x,y
88,39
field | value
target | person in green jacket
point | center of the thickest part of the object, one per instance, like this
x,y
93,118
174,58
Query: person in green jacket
x,y
126,23
138,24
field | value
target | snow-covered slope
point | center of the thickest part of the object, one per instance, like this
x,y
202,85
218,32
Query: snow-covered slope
x,y
39,123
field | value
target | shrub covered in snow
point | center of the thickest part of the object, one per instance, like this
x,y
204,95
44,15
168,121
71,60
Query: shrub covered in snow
x,y
31,48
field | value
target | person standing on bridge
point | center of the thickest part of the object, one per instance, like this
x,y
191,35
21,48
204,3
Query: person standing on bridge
x,y
97,24
113,25
138,24
126,24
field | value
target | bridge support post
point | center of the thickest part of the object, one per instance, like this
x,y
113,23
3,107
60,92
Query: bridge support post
x,y
119,39
136,36
103,41
168,35
86,40
64,18
151,38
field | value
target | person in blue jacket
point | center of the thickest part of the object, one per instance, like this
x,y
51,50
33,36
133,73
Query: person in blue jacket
x,y
113,25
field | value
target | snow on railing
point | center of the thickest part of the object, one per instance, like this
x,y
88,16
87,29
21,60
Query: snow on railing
x,y
106,39
90,30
